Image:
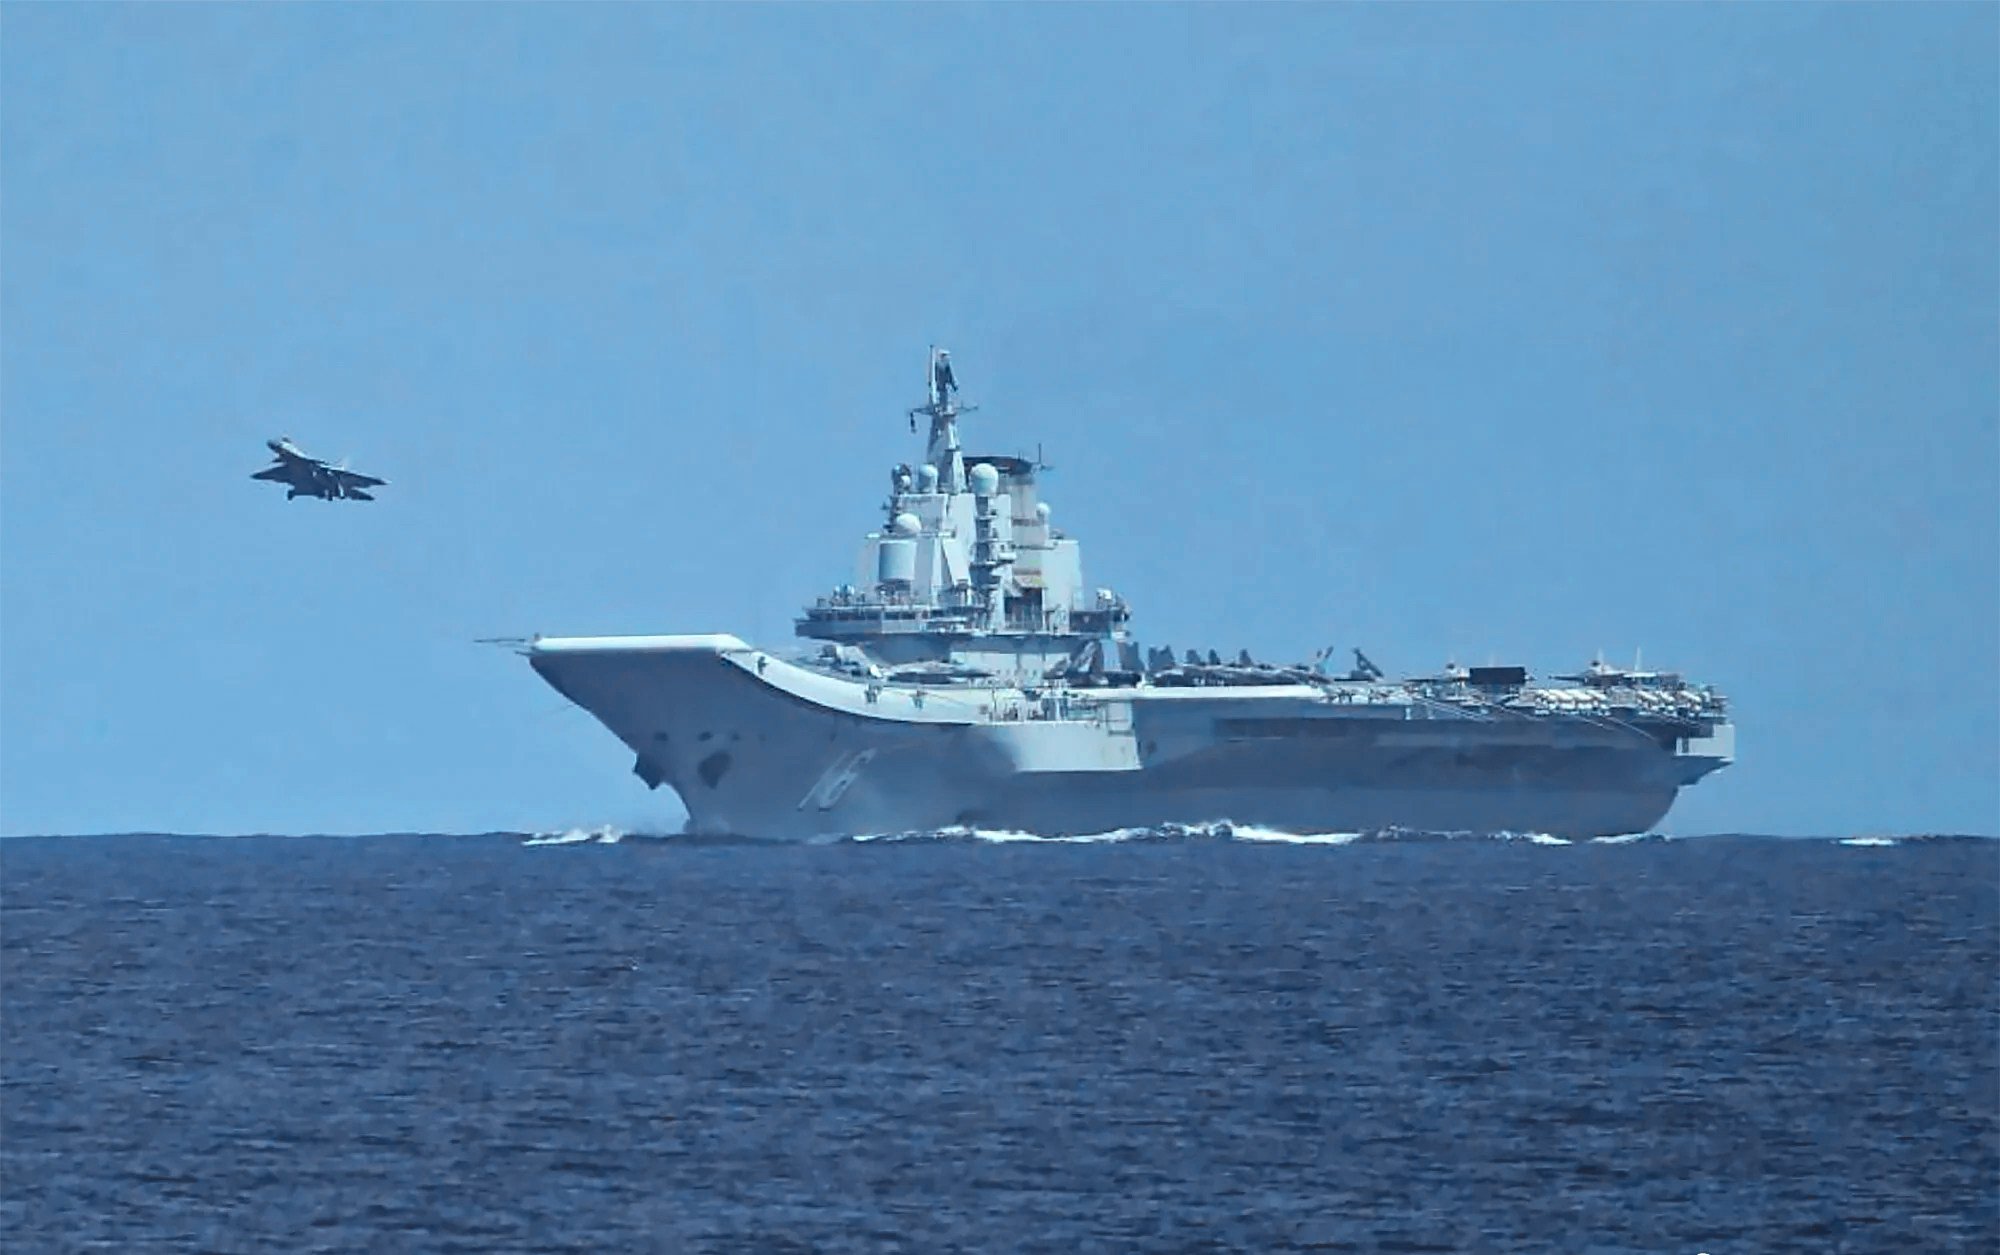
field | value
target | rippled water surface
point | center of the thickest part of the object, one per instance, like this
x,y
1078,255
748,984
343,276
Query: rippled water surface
x,y
479,1043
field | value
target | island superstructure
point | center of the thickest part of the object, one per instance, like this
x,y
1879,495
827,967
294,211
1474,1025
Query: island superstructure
x,y
970,677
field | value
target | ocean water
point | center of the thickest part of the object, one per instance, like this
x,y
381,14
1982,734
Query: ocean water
x,y
1257,1043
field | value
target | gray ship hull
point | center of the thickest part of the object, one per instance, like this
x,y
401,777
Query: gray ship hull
x,y
758,747
1085,803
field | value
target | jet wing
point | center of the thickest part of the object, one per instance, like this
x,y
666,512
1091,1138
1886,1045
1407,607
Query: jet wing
x,y
279,474
354,479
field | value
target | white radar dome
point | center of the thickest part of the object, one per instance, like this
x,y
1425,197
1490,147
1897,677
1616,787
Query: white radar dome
x,y
985,480
906,525
927,478
1042,511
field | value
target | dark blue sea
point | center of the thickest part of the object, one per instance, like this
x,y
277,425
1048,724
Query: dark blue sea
x,y
414,1043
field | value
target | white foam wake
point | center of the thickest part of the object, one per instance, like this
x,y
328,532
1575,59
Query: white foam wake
x,y
1219,830
1009,836
604,834
994,836
1014,836
1279,835
1869,841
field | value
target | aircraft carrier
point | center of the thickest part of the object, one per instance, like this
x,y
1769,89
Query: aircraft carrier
x,y
970,677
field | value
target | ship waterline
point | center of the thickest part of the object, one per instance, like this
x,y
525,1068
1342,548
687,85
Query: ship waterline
x,y
970,676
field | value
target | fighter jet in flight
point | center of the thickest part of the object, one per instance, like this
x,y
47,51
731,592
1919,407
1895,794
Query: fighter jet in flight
x,y
310,477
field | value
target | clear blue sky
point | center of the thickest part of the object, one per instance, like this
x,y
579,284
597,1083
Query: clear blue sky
x,y
1487,332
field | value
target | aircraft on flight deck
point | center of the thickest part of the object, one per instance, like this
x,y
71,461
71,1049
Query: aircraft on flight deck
x,y
310,477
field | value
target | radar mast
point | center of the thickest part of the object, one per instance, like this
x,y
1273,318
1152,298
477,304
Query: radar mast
x,y
941,451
